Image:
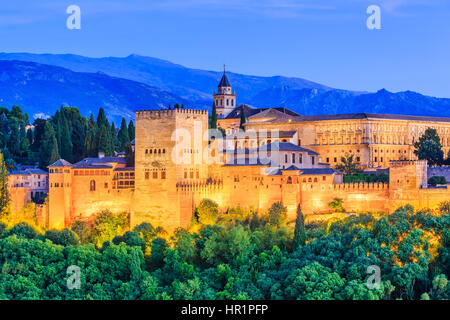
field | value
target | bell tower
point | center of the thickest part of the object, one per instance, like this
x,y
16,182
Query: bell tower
x,y
224,98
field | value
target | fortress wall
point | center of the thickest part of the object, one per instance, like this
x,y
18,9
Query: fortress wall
x,y
356,197
19,197
92,202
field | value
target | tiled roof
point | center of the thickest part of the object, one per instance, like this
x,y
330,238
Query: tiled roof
x,y
124,169
20,173
269,113
224,81
356,116
285,146
319,171
245,162
97,161
36,171
251,111
97,166
60,164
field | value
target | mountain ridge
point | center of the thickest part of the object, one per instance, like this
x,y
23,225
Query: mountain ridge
x,y
170,82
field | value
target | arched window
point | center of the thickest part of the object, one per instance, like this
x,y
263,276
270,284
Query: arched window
x,y
92,185
289,180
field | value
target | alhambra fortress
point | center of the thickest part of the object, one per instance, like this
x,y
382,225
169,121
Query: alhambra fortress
x,y
280,156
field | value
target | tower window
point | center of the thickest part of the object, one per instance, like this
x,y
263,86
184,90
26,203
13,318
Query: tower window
x,y
155,175
147,175
163,175
92,185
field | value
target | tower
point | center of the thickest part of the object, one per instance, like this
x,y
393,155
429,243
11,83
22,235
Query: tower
x,y
224,98
60,194
169,150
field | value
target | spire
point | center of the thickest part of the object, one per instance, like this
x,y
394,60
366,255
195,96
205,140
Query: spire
x,y
224,82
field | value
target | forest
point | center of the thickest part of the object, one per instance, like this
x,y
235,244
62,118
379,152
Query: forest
x,y
67,134
234,254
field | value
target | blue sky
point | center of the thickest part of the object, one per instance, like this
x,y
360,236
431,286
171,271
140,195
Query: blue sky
x,y
326,41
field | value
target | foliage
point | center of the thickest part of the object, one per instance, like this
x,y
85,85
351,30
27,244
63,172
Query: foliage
x,y
349,165
368,178
207,212
238,257
337,205
277,214
299,231
107,225
429,147
4,193
437,180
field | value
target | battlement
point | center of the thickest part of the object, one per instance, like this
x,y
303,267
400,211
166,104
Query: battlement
x,y
362,186
168,113
404,163
207,184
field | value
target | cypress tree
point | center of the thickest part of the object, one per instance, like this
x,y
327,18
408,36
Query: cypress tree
x,y
129,154
131,130
123,136
101,118
4,193
48,141
66,142
104,141
214,117
55,152
299,232
91,144
241,124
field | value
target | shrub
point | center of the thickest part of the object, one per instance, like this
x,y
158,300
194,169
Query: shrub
x,y
437,180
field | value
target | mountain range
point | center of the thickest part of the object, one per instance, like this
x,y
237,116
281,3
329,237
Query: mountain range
x,y
40,83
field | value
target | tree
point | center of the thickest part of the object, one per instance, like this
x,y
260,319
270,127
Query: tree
x,y
123,137
429,147
129,155
429,150
49,147
131,130
207,212
66,142
91,142
4,193
277,214
242,121
299,231
349,165
214,117
55,153
337,205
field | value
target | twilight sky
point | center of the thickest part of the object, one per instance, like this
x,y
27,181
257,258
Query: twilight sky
x,y
326,41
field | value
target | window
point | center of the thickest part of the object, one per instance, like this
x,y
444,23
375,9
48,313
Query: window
x,y
315,179
335,160
324,178
313,160
163,175
289,180
358,159
106,185
155,174
293,158
92,185
328,160
285,158
197,174
185,174
191,174
300,158
147,175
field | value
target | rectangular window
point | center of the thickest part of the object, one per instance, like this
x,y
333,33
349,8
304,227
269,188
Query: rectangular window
x,y
328,160
191,174
197,175
335,160
293,158
106,185
313,160
163,175
147,175
155,175
300,158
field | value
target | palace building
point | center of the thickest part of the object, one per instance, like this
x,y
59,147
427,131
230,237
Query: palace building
x,y
281,156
